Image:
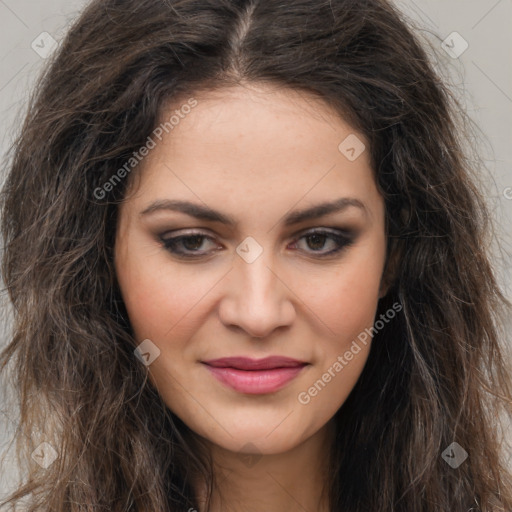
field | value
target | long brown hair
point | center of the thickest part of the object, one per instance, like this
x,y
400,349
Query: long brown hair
x,y
436,375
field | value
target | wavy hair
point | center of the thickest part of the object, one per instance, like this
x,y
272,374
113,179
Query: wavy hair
x,y
435,375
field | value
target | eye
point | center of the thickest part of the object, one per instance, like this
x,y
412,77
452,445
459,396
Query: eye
x,y
186,246
191,245
316,240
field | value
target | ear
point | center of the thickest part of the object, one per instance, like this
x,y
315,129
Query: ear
x,y
391,266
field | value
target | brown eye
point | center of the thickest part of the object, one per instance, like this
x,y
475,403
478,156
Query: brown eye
x,y
316,241
186,246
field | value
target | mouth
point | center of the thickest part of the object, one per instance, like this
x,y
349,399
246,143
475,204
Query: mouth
x,y
255,376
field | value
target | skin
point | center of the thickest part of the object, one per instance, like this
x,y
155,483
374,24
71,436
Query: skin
x,y
254,153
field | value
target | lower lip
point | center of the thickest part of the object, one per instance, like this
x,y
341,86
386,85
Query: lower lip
x,y
255,382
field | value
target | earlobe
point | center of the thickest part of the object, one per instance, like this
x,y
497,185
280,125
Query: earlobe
x,y
384,288
391,267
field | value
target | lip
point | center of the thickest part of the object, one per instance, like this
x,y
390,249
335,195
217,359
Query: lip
x,y
255,376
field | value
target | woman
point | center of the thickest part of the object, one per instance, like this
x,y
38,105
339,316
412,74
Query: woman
x,y
247,258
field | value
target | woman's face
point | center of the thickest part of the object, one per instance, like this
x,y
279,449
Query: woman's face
x,y
251,168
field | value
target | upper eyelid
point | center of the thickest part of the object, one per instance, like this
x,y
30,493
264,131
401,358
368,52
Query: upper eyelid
x,y
199,232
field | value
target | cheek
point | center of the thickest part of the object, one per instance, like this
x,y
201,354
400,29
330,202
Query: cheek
x,y
347,305
155,304
355,304
347,301
163,301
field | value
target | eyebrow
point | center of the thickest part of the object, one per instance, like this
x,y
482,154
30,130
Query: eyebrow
x,y
205,213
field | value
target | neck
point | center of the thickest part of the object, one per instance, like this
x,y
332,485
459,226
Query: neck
x,y
289,481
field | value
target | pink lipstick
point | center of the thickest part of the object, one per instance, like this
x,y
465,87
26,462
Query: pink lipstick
x,y
255,376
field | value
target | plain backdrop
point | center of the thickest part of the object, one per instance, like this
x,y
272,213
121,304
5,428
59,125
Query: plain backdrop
x,y
480,67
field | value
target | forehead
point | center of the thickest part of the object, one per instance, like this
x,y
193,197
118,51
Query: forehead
x,y
259,116
255,145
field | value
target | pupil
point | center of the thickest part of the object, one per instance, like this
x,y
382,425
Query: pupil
x,y
318,238
189,242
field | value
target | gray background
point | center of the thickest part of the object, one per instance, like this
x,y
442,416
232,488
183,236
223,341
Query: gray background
x,y
481,77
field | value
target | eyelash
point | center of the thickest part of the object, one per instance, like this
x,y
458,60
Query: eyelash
x,y
343,242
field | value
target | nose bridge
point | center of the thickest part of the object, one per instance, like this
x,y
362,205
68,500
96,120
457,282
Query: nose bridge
x,y
256,297
255,280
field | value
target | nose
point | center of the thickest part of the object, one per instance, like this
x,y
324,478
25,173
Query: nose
x,y
257,298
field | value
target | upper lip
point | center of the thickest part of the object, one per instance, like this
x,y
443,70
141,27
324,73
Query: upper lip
x,y
246,363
